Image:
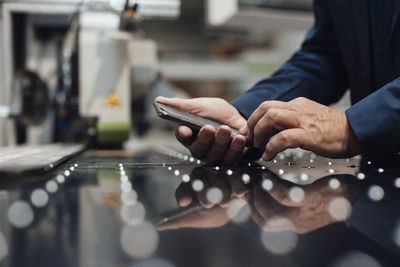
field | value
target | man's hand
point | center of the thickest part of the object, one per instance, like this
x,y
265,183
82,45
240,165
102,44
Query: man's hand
x,y
302,123
210,144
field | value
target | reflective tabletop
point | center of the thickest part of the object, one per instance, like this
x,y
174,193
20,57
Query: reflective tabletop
x,y
164,208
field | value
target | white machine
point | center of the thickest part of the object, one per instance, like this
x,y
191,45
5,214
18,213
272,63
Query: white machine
x,y
111,65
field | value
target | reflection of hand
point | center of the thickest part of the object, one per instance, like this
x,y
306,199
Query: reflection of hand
x,y
229,186
208,214
305,214
210,144
303,123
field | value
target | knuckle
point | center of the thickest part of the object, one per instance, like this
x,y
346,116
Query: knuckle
x,y
265,105
285,137
300,99
272,114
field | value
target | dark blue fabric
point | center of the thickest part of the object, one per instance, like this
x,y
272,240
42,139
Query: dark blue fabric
x,y
337,54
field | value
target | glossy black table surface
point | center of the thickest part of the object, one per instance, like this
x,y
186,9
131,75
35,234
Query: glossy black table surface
x,y
164,208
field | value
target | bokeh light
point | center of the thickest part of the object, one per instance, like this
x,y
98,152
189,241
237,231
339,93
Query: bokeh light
x,y
360,176
339,208
376,193
279,242
185,178
267,184
396,234
296,194
51,186
20,214
397,182
39,198
246,178
124,178
129,198
197,185
214,195
304,177
139,241
126,186
355,259
133,214
238,210
334,183
60,178
278,236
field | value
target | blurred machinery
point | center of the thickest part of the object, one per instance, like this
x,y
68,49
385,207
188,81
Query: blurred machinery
x,y
70,68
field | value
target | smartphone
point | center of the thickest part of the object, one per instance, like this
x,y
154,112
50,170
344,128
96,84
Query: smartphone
x,y
188,119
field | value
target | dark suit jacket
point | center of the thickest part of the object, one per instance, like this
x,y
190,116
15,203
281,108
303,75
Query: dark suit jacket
x,y
338,53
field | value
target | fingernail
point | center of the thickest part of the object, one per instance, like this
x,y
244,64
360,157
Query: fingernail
x,y
240,143
265,156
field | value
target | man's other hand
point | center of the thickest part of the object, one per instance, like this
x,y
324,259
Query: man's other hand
x,y
210,144
302,123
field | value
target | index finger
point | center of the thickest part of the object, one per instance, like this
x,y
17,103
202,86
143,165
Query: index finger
x,y
179,103
260,111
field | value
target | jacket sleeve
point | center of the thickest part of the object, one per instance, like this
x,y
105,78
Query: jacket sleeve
x,y
316,71
375,120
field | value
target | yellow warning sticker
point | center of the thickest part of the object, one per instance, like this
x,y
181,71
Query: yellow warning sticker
x,y
112,100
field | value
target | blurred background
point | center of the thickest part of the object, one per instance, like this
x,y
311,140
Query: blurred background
x,y
87,71
97,168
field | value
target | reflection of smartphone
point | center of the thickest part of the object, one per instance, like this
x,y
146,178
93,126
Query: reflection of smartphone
x,y
191,120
